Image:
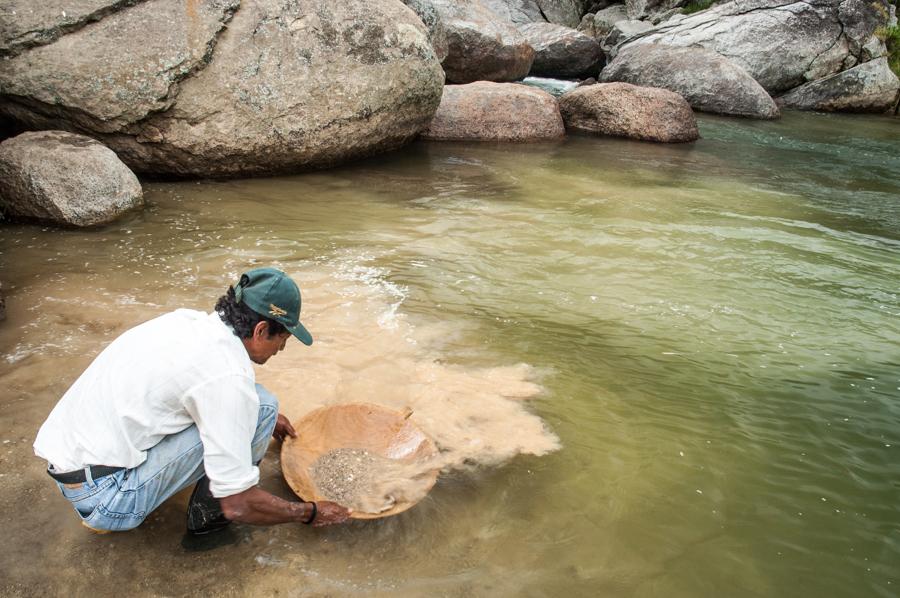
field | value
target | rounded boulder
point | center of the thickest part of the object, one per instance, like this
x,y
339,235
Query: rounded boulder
x,y
561,51
625,110
482,46
63,178
497,112
706,79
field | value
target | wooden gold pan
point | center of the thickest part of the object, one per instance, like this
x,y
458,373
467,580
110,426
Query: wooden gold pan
x,y
379,430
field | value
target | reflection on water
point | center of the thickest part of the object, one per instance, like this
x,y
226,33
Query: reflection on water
x,y
713,326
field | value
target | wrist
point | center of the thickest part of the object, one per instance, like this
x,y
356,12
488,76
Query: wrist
x,y
300,511
313,510
305,512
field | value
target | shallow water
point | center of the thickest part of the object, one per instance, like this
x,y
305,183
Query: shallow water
x,y
699,343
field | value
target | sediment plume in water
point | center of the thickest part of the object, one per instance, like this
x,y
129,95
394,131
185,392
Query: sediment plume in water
x,y
367,352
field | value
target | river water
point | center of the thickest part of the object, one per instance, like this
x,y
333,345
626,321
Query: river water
x,y
663,370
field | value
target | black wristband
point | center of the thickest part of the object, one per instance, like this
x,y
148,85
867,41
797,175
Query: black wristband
x,y
315,511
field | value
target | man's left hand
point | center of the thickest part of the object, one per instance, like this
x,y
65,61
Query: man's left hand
x,y
283,428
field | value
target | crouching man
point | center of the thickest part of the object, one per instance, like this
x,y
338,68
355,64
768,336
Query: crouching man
x,y
173,402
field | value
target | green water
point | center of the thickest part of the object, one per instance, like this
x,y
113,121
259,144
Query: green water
x,y
715,325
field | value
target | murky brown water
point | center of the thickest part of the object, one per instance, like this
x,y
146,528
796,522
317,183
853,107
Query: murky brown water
x,y
659,371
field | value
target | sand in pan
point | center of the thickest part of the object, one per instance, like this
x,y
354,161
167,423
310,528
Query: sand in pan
x,y
367,351
367,482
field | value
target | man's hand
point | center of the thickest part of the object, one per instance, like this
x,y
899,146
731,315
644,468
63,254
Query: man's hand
x,y
257,507
329,513
283,428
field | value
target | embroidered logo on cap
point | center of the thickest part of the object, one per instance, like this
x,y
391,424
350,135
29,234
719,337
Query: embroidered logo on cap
x,y
276,311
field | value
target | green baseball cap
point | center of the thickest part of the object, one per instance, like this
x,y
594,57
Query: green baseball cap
x,y
271,293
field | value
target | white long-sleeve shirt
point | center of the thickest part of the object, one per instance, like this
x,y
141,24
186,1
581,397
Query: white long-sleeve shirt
x,y
182,368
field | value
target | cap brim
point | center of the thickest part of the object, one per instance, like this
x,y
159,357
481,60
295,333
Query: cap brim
x,y
301,333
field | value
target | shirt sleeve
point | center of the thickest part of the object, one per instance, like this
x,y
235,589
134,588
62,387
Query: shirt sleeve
x,y
226,411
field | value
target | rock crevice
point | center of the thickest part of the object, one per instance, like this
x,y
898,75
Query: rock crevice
x,y
49,20
136,77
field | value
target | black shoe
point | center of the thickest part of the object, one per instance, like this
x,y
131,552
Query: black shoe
x,y
204,514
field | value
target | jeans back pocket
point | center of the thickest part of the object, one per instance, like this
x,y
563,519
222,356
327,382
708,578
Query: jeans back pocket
x,y
86,496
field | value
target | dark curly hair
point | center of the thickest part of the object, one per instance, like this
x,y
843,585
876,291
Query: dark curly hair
x,y
241,318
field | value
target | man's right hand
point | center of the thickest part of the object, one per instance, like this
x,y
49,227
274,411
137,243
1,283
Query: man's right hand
x,y
329,513
257,507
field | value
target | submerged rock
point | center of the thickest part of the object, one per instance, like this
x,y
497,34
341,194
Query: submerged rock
x,y
482,46
561,51
625,110
869,87
495,111
63,178
780,43
707,80
288,85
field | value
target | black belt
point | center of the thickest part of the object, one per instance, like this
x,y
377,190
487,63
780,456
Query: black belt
x,y
78,477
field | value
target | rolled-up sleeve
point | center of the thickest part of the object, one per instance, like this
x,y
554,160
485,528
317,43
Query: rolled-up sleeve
x,y
226,411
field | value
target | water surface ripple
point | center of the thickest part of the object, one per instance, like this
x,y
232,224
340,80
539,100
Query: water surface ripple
x,y
715,327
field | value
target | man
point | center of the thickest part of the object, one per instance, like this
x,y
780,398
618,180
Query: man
x,y
173,402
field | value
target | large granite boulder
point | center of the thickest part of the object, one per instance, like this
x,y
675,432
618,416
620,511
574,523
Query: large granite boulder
x,y
288,85
496,112
599,24
562,51
869,87
560,12
63,178
707,80
781,43
625,110
482,46
437,35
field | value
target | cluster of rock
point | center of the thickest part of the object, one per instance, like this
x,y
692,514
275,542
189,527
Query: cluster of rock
x,y
245,87
486,110
739,58
220,87
744,58
807,54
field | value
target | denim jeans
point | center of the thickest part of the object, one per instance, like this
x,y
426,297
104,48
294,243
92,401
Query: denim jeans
x,y
122,500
